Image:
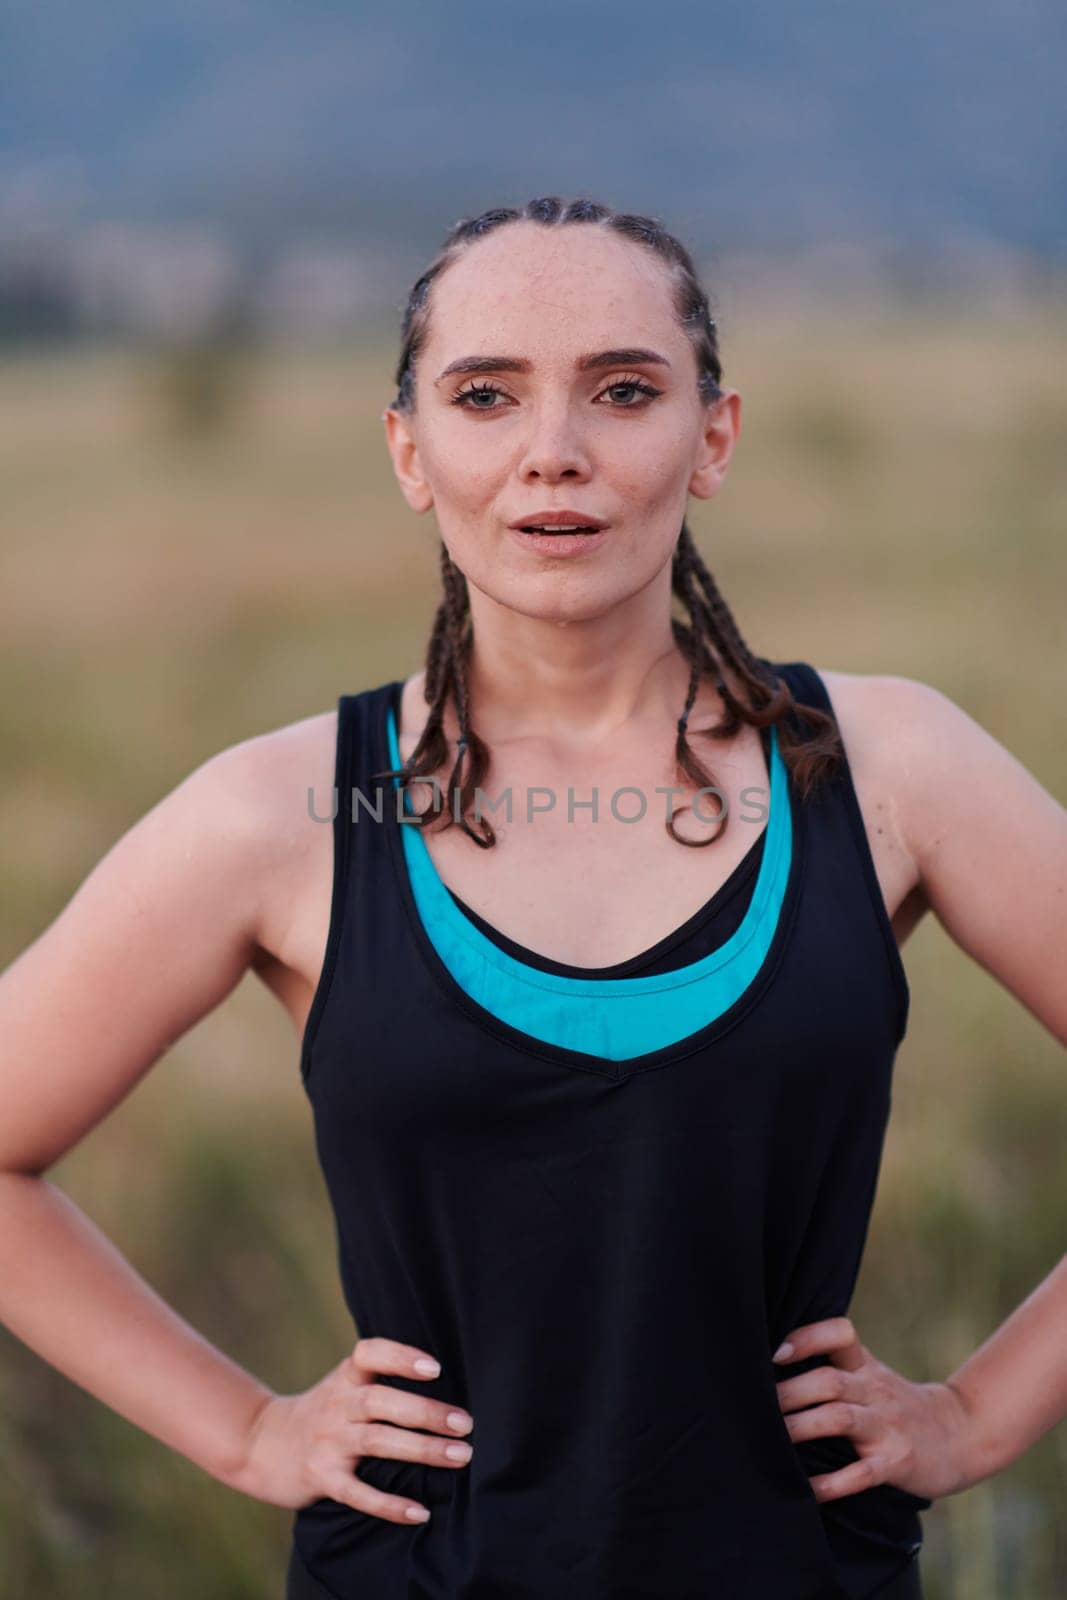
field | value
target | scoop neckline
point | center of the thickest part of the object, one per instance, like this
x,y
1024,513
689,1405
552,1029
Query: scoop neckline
x,y
530,1044
746,868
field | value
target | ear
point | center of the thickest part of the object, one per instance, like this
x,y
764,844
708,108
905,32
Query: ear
x,y
400,437
721,431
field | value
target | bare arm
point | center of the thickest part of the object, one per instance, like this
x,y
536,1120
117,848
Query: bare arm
x,y
985,847
991,848
155,937
1014,1388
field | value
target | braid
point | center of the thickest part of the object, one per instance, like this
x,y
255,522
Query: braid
x,y
710,640
470,749
447,656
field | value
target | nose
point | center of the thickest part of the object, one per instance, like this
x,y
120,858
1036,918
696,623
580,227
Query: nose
x,y
554,449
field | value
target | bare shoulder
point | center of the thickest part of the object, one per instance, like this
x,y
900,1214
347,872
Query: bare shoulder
x,y
876,715
265,771
885,704
970,833
157,934
899,736
277,787
922,750
875,711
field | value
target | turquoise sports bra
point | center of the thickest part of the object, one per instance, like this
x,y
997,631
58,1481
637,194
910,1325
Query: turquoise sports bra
x,y
614,1018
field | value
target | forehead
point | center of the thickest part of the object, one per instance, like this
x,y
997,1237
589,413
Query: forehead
x,y
527,287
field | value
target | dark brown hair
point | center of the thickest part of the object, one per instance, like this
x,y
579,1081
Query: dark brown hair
x,y
709,638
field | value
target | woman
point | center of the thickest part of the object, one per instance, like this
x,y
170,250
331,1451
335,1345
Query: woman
x,y
599,1079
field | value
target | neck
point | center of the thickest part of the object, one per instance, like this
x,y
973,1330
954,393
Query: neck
x,y
584,680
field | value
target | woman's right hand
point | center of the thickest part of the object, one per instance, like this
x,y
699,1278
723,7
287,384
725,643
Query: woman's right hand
x,y
304,1446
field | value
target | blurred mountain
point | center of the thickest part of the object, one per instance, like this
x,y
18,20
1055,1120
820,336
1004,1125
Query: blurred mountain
x,y
791,119
922,127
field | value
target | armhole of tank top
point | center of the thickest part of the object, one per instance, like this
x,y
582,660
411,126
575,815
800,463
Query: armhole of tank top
x,y
342,836
820,695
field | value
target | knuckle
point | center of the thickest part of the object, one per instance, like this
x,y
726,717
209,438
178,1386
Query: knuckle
x,y
363,1437
320,1472
347,1374
370,1351
346,1491
845,1414
384,1401
376,1439
363,1401
376,1353
353,1398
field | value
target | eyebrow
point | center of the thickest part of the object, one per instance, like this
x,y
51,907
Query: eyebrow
x,y
627,356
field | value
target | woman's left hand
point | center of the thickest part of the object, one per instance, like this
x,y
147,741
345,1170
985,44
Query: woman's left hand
x,y
916,1436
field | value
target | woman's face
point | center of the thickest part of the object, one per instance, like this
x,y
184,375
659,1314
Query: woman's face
x,y
626,440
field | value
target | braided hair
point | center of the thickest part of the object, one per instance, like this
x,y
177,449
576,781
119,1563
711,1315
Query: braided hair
x,y
708,638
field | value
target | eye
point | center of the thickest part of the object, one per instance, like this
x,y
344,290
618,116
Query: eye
x,y
634,386
465,397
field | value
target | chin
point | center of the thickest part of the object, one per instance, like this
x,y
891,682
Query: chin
x,y
555,599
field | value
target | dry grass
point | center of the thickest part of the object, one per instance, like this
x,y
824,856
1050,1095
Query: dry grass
x,y
896,505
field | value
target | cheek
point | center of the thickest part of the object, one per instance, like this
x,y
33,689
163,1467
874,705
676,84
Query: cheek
x,y
462,471
651,465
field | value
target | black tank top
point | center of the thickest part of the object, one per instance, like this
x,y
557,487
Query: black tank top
x,y
604,1247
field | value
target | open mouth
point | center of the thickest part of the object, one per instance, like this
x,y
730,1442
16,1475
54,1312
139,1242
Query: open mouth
x,y
576,528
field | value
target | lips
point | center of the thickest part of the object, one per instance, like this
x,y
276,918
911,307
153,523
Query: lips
x,y
557,522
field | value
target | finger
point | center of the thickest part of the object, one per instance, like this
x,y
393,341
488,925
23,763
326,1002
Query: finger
x,y
839,1418
384,1401
375,1502
825,1382
397,1444
858,1475
835,1336
377,1354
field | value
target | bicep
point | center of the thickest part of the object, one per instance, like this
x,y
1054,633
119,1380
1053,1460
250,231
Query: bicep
x,y
990,846
153,939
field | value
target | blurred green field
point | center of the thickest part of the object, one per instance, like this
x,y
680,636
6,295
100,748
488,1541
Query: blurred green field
x,y
195,551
